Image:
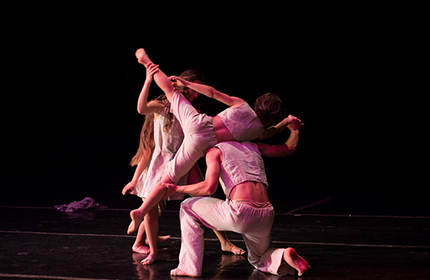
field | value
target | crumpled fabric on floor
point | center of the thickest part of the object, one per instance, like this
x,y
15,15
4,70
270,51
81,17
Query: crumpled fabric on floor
x,y
85,204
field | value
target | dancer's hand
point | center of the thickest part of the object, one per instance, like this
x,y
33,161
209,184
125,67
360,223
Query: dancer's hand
x,y
286,122
129,188
151,70
171,189
291,118
295,124
177,81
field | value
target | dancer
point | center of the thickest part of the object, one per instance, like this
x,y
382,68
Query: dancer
x,y
160,138
237,123
246,210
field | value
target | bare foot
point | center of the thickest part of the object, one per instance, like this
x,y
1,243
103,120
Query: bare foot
x,y
230,247
178,272
296,261
150,259
142,57
141,249
160,239
136,219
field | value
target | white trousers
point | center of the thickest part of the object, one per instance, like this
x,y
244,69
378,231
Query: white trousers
x,y
253,223
199,136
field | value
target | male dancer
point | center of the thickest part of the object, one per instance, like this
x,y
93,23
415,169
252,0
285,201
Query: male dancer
x,y
246,210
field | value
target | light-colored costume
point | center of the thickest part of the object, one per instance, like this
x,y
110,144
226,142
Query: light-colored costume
x,y
166,146
241,162
199,133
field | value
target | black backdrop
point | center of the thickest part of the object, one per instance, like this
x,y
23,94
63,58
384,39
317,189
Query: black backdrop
x,y
75,126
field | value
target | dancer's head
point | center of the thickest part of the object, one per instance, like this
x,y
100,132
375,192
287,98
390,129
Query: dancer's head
x,y
270,108
193,96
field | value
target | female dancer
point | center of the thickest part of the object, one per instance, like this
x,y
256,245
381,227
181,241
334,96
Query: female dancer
x,y
160,138
237,123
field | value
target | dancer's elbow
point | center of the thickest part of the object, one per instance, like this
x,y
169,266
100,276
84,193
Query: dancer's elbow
x,y
211,188
291,151
287,151
212,92
143,110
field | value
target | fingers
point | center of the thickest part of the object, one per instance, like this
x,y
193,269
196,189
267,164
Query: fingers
x,y
173,78
299,121
167,185
126,189
152,68
294,118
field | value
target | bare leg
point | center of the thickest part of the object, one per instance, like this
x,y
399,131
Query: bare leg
x,y
226,245
157,193
160,78
136,219
161,207
151,225
295,261
139,244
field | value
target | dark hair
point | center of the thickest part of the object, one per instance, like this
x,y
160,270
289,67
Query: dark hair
x,y
193,75
270,108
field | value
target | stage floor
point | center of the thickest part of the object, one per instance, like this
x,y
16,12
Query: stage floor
x,y
41,243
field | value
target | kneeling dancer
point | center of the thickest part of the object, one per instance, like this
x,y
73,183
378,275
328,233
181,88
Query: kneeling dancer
x,y
246,210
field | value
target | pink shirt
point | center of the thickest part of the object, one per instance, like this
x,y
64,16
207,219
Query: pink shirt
x,y
241,163
242,122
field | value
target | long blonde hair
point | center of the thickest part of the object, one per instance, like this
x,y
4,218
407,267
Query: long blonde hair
x,y
146,142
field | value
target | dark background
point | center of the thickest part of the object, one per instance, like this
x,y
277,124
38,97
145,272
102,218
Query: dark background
x,y
73,125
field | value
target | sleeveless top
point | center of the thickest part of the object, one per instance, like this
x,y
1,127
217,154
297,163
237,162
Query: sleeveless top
x,y
166,146
242,122
241,163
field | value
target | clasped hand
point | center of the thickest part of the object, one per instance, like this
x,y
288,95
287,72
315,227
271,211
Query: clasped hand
x,y
171,189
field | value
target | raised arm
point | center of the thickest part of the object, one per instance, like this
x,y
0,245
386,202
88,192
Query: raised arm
x,y
285,149
143,107
209,92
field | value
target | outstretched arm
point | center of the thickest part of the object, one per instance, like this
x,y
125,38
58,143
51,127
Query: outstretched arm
x,y
210,184
286,149
209,92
